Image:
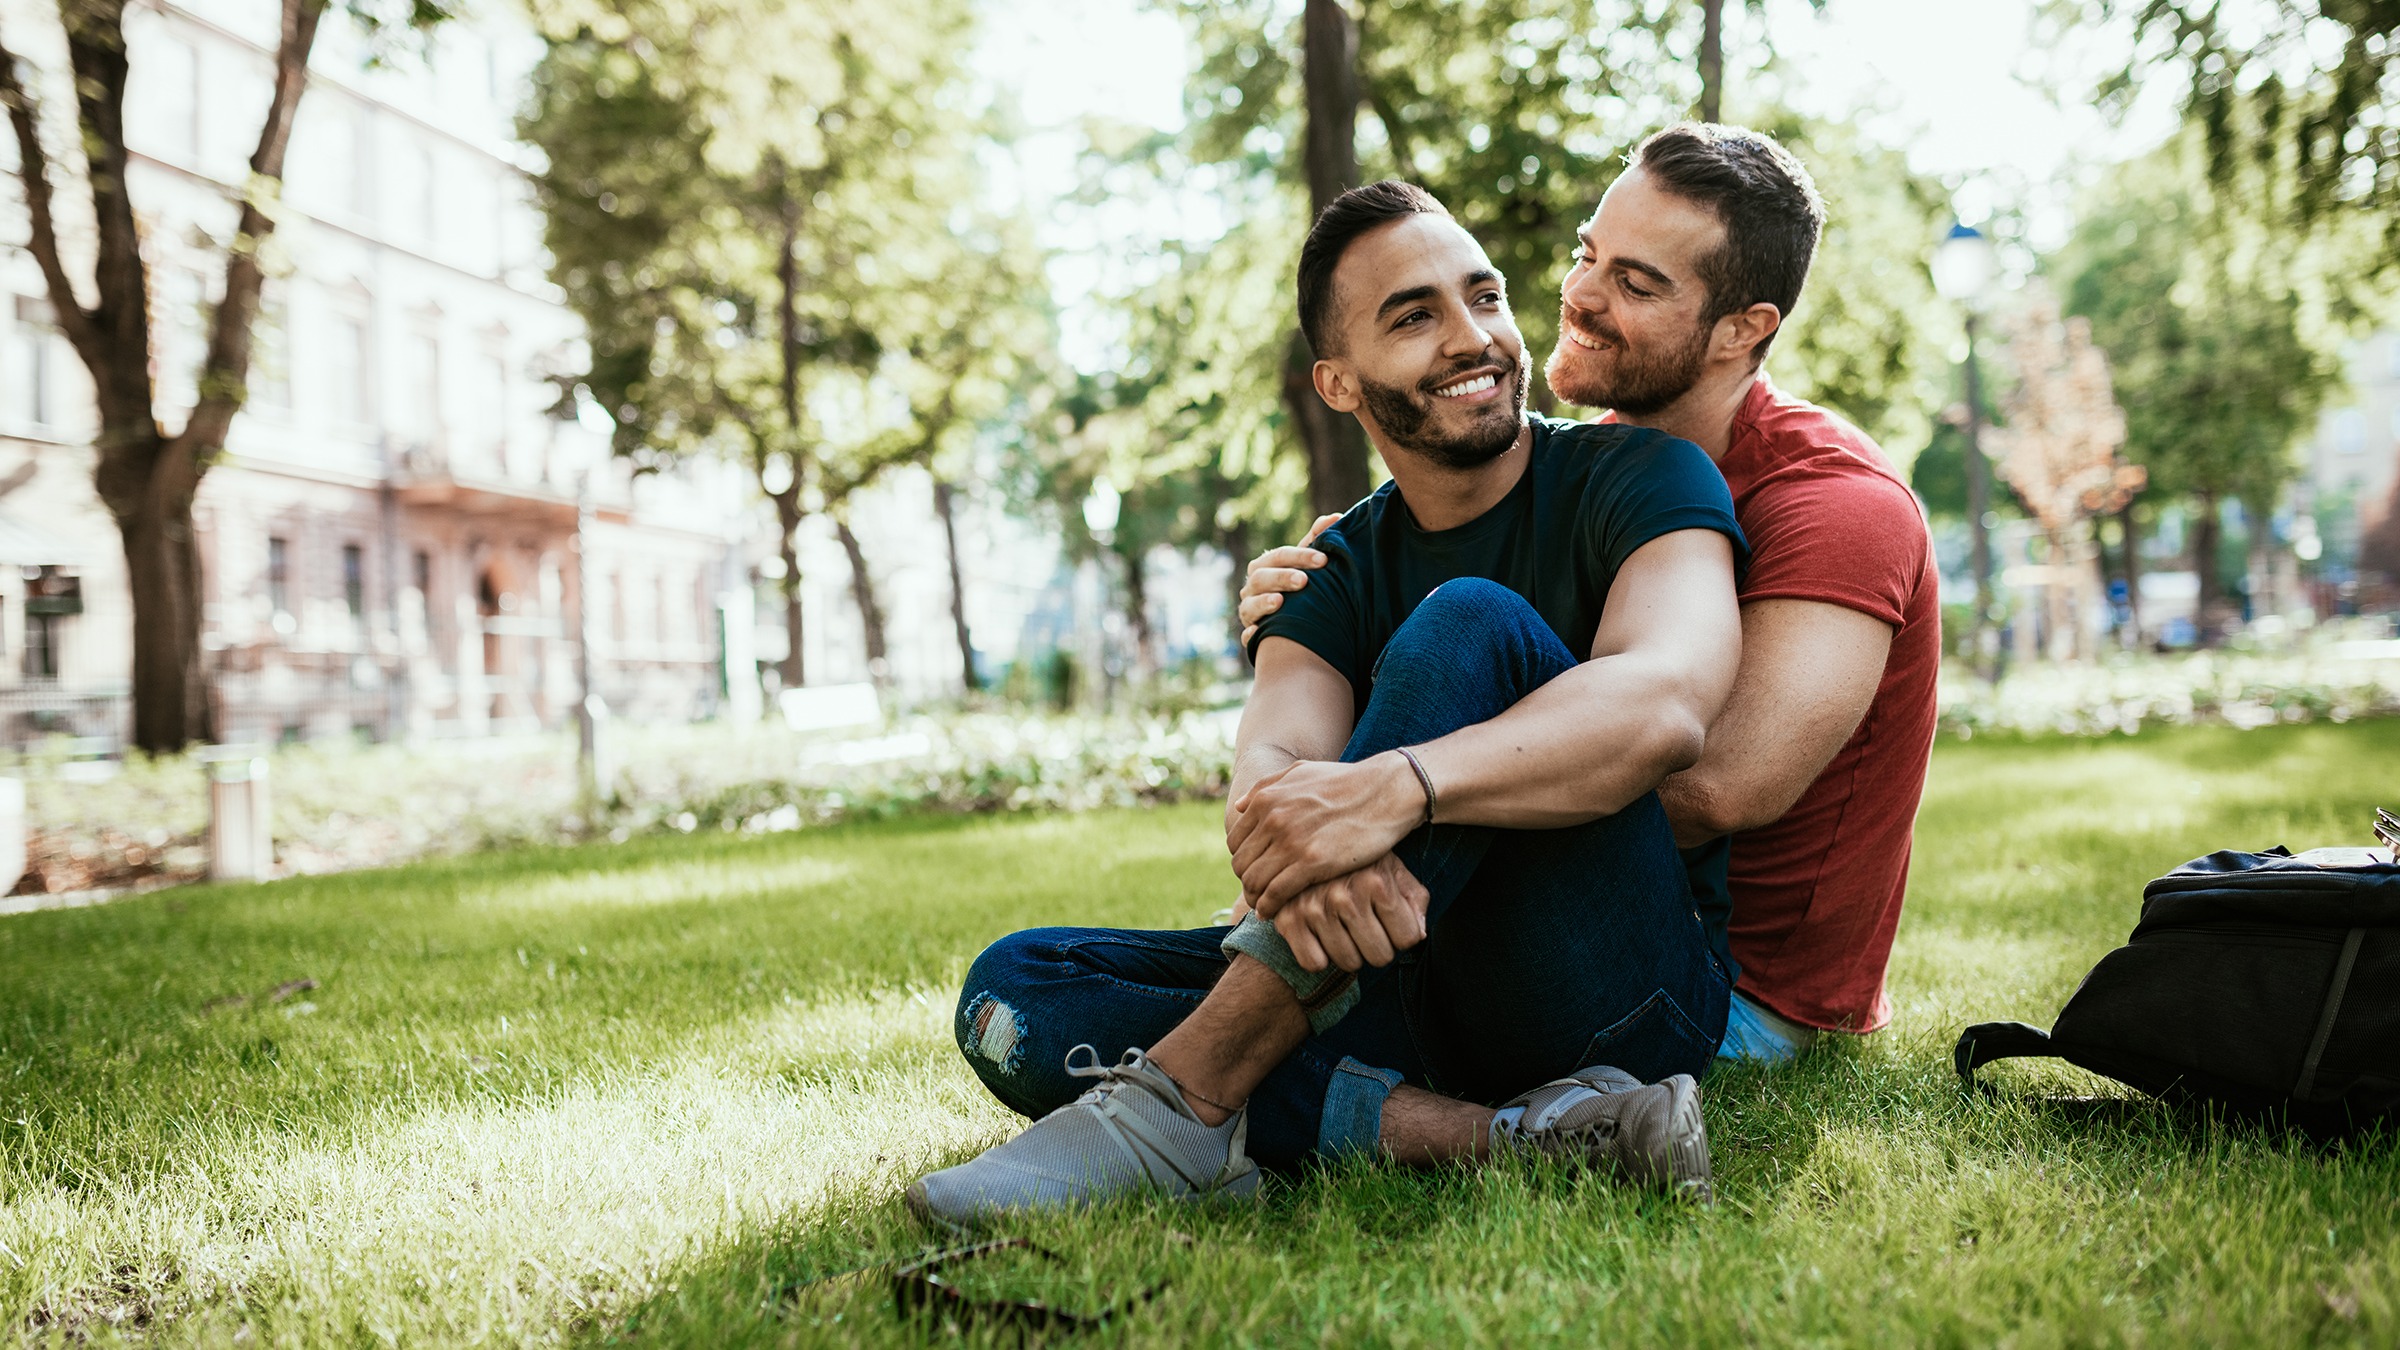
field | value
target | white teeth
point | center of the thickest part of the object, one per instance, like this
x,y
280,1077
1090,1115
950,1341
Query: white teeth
x,y
1473,386
1579,339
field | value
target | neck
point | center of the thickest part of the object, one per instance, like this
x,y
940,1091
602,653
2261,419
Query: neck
x,y
1704,415
1439,497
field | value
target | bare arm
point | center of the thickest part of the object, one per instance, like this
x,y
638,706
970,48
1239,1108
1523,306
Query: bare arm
x,y
1299,708
1580,747
1809,672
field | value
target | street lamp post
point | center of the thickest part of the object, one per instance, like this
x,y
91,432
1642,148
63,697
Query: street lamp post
x,y
1100,514
1963,268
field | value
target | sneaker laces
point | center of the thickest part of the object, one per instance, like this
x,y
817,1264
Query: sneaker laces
x,y
1136,1134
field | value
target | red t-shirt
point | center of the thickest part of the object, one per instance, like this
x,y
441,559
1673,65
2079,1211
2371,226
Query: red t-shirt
x,y
1816,895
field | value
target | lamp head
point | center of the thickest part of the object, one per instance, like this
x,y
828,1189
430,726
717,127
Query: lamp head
x,y
1964,265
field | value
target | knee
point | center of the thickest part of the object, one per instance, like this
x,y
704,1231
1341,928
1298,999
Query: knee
x,y
1464,618
990,1021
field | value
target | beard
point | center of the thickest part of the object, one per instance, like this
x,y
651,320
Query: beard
x,y
1644,381
1405,415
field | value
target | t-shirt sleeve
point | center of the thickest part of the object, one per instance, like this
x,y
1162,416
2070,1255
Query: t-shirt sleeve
x,y
1852,538
1659,486
1325,616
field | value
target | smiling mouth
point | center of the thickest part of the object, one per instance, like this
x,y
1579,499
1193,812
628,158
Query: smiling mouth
x,y
1472,385
1574,335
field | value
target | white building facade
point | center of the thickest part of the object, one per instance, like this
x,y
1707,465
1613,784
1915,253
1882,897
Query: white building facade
x,y
397,538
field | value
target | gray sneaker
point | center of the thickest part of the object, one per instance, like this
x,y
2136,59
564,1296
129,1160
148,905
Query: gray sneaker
x,y
1133,1132
1606,1118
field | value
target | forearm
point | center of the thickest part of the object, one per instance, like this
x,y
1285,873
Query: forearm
x,y
1583,746
1253,764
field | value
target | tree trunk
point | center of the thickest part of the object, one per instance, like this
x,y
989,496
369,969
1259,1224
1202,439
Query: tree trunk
x,y
792,670
1137,609
2204,565
2133,574
2258,580
1337,448
1236,544
943,506
162,572
862,589
1712,60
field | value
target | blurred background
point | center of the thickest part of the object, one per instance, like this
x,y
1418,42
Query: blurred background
x,y
608,415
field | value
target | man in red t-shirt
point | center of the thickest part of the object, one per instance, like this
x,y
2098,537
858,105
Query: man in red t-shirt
x,y
1802,806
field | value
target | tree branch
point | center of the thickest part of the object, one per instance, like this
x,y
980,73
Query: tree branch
x,y
225,371
33,170
121,316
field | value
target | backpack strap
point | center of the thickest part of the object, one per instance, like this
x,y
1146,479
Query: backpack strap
x,y
1984,1042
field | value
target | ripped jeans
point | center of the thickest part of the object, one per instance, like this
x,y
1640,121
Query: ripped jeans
x,y
1546,951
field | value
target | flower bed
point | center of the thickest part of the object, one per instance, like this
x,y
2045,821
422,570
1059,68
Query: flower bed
x,y
344,807
2334,682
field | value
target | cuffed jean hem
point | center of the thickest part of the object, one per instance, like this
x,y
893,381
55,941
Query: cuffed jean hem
x,y
1754,1033
1353,1118
1325,995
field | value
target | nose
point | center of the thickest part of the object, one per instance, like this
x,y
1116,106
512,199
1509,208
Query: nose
x,y
1465,335
1583,290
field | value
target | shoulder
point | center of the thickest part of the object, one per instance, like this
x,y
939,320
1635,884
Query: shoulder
x,y
1793,458
1611,455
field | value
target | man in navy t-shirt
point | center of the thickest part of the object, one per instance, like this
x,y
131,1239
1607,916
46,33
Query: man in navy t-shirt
x,y
1466,926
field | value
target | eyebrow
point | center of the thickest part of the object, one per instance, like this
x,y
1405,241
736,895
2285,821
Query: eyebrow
x,y
1415,293
1584,237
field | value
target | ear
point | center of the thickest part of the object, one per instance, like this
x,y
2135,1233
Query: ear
x,y
1738,333
1337,384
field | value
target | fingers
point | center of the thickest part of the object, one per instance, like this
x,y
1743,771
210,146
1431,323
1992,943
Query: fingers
x,y
1360,919
1323,524
1333,935
1249,635
1400,919
1257,605
1303,942
1284,560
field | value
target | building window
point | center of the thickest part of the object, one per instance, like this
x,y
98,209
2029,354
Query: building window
x,y
270,383
429,196
166,83
354,582
2349,431
492,400
425,383
352,386
420,565
50,599
279,575
29,359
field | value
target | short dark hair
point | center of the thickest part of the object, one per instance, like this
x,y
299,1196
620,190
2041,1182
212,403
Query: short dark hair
x,y
1342,221
1766,201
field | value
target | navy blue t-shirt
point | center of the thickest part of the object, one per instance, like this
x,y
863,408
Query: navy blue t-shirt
x,y
1591,495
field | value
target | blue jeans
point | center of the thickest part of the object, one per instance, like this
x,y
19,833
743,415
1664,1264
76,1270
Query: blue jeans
x,y
1546,950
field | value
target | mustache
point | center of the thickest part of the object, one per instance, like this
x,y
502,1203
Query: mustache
x,y
1507,365
1590,323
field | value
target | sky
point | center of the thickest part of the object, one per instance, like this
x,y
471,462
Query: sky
x,y
1972,89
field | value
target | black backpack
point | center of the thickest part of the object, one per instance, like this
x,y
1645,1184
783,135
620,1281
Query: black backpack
x,y
2264,984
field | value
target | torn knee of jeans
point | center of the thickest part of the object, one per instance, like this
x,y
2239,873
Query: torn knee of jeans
x,y
995,1033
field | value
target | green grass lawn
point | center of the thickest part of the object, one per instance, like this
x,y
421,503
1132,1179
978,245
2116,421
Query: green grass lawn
x,y
654,1094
